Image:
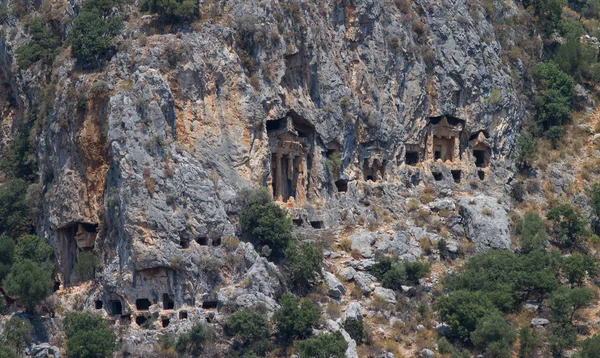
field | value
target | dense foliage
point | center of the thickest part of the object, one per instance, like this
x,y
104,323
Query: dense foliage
x,y
43,45
324,345
88,336
394,274
295,319
171,11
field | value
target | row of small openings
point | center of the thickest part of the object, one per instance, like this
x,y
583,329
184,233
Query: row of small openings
x,y
412,158
456,175
202,240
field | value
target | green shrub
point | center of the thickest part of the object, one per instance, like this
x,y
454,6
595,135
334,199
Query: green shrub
x,y
526,151
303,264
88,335
575,57
295,318
43,45
533,233
548,13
251,329
30,282
494,335
577,266
85,266
92,34
171,11
555,94
15,214
355,329
192,343
7,254
334,164
462,310
594,198
590,347
325,345
35,249
17,334
529,342
568,225
394,274
265,223
565,301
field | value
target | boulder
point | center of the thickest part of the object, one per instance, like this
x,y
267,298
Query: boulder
x,y
335,288
486,222
385,293
353,310
427,353
539,322
365,282
347,273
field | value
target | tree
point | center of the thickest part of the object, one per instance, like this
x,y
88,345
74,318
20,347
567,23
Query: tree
x,y
526,150
415,271
193,342
594,199
85,266
325,345
17,334
462,310
568,224
575,57
529,342
590,347
42,45
533,233
565,301
88,336
265,223
35,249
355,329
295,318
303,263
7,253
14,208
30,282
548,13
577,266
92,34
171,11
251,329
555,94
494,336
394,274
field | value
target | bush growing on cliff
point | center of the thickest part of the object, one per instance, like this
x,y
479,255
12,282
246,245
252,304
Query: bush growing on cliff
x,y
295,318
555,94
526,150
394,274
17,334
303,264
85,266
15,213
568,225
325,345
30,283
88,335
171,11
462,310
264,223
92,34
533,233
42,45
192,343
251,330
494,336
7,253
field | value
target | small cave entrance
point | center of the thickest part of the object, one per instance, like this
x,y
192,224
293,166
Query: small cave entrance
x,y
116,308
216,242
210,305
341,185
479,158
142,304
165,322
317,224
126,319
298,222
481,174
184,243
412,158
438,176
456,174
183,315
168,303
140,320
99,304
370,171
202,240
56,286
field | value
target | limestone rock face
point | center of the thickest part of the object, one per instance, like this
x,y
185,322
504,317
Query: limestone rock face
x,y
486,222
355,103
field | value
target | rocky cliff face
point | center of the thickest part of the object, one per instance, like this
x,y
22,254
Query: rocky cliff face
x,y
141,161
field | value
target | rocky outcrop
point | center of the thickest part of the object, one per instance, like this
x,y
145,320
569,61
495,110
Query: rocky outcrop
x,y
486,222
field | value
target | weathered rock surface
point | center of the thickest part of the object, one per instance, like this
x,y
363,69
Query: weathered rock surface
x,y
486,222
